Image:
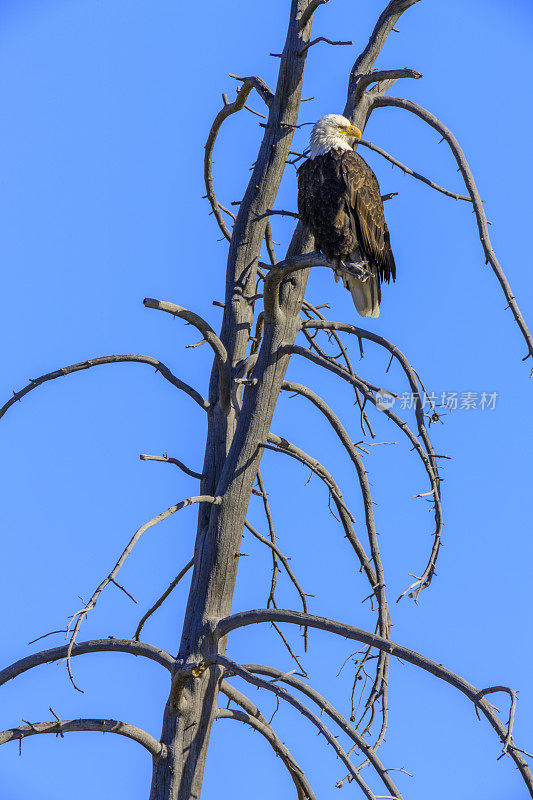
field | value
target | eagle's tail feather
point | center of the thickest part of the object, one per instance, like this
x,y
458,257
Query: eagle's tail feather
x,y
366,294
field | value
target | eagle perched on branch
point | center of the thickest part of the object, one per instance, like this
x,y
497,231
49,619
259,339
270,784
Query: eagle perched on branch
x,y
339,200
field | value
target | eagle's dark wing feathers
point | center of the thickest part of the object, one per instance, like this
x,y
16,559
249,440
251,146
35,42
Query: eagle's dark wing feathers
x,y
339,201
367,206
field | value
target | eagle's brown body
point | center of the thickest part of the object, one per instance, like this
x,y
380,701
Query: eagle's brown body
x,y
339,200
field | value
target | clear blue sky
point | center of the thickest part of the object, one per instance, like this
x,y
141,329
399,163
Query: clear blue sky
x,y
105,111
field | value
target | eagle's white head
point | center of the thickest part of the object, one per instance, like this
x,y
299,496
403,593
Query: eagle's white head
x,y
333,132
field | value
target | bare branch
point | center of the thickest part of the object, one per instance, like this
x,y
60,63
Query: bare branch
x,y
327,708
242,700
82,613
275,549
233,216
321,39
282,445
430,462
294,264
168,460
309,11
366,390
45,635
346,442
409,171
163,597
512,694
366,60
289,648
231,667
123,589
209,335
155,748
258,84
275,569
303,788
109,645
234,621
114,359
481,219
363,415
229,108
386,75
378,588
272,212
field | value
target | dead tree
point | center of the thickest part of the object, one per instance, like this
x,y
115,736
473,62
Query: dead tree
x,y
263,313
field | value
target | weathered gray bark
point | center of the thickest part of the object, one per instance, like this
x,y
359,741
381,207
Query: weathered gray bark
x,y
233,449
233,444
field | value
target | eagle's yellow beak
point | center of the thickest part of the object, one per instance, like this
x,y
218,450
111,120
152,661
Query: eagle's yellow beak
x,y
354,131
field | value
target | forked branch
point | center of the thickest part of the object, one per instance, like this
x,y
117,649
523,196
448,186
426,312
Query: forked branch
x,y
327,708
209,335
232,668
368,57
386,75
235,621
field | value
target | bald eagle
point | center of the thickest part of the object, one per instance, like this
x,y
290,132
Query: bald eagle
x,y
339,201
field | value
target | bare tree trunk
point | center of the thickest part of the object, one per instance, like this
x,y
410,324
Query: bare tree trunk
x,y
233,449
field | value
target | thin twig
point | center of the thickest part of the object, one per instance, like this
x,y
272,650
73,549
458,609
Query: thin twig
x,y
82,613
167,460
162,599
409,171
275,549
321,39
